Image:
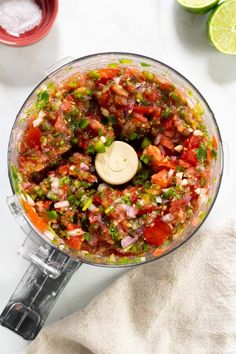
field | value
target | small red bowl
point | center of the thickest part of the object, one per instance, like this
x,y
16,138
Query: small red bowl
x,y
49,14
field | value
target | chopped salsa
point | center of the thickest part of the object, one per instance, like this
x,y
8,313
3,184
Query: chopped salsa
x,y
72,121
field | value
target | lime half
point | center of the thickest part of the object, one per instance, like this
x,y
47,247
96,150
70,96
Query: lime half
x,y
221,27
198,6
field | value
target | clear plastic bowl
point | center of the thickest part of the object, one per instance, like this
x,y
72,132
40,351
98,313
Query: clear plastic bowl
x,y
195,100
51,267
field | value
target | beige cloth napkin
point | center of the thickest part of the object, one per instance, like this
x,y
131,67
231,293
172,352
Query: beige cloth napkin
x,y
183,303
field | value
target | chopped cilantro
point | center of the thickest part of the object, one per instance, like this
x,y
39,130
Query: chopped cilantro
x,y
201,153
42,100
171,192
90,149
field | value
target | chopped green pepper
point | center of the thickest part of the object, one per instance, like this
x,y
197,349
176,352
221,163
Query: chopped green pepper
x,y
84,123
99,146
52,214
144,64
148,75
94,74
145,159
125,61
146,141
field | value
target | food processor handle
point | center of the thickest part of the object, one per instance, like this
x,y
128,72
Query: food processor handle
x,y
38,290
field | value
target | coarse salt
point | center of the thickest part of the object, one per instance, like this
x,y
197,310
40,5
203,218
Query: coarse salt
x,y
19,16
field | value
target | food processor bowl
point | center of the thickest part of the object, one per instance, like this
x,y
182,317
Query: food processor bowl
x,y
51,263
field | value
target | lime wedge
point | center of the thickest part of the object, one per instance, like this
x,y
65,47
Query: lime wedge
x,y
221,27
198,6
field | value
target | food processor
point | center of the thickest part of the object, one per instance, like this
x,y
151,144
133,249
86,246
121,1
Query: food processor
x,y
51,267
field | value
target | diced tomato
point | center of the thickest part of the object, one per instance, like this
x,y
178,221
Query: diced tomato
x,y
157,234
177,207
155,153
139,118
152,96
60,124
33,137
34,218
168,124
96,199
157,112
144,109
192,142
146,209
214,143
71,227
167,142
63,170
66,106
184,163
103,99
208,155
95,125
164,84
190,157
158,252
168,163
162,179
74,242
107,74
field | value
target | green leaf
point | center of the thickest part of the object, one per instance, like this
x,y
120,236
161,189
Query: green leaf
x,y
42,100
201,153
171,193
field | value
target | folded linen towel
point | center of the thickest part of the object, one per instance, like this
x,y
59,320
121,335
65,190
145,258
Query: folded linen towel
x,y
184,303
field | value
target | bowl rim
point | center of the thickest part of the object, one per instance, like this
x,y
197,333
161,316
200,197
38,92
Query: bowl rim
x,y
221,154
34,38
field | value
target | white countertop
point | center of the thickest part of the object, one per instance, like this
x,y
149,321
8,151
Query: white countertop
x,y
159,29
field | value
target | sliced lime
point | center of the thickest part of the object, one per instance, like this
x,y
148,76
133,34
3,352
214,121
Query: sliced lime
x,y
221,27
198,6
